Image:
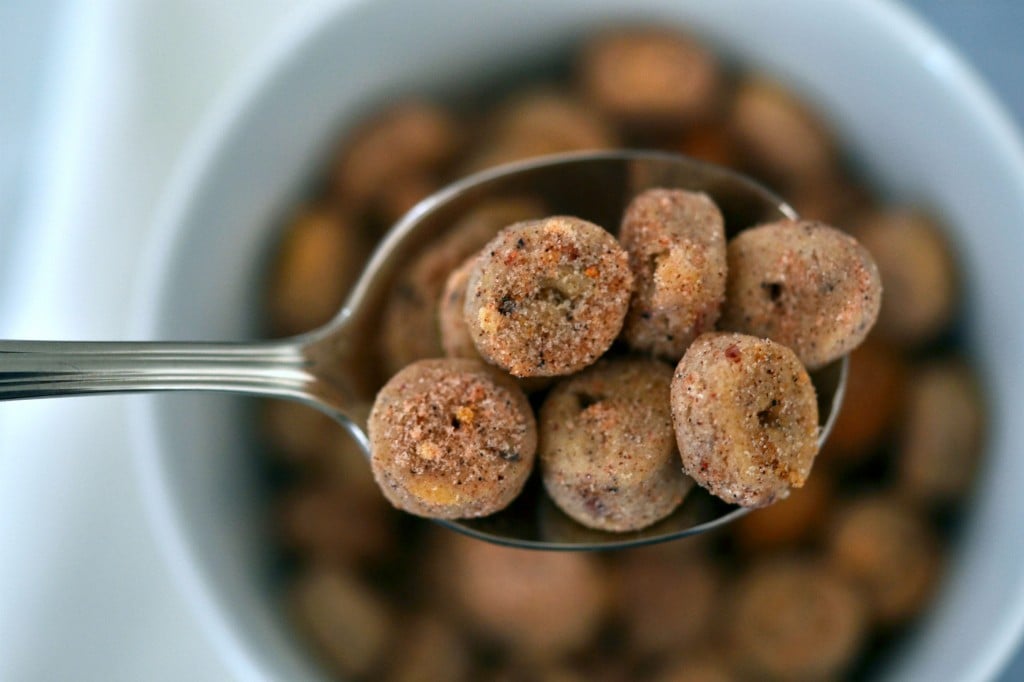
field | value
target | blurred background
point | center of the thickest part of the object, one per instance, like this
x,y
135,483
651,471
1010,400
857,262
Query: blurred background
x,y
97,100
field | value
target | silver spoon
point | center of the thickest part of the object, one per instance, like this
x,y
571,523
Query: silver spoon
x,y
326,368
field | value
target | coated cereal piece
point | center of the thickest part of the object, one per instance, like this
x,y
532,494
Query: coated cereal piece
x,y
778,135
325,524
921,280
789,522
941,437
409,328
746,418
667,601
803,284
455,336
400,195
874,400
319,259
451,438
432,650
645,77
607,450
790,618
411,137
890,553
349,626
556,117
539,604
676,245
548,297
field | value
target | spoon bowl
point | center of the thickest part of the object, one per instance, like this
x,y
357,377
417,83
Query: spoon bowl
x,y
332,368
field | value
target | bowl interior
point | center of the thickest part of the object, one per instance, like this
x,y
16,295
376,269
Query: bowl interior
x,y
915,118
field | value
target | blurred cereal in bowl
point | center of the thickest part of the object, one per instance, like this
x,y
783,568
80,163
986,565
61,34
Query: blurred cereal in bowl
x,y
816,587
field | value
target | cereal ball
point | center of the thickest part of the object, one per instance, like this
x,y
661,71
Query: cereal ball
x,y
607,449
917,266
794,520
320,257
650,77
324,524
667,600
409,138
778,135
400,195
548,297
556,117
940,443
455,337
539,604
349,625
746,418
676,245
790,618
890,553
431,651
874,399
451,439
803,284
409,327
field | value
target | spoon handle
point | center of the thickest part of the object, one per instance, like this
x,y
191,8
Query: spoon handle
x,y
38,369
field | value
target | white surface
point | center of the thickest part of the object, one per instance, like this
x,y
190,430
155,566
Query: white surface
x,y
84,593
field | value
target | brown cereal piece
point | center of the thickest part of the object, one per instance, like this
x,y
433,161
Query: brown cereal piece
x,y
790,618
676,245
451,438
297,432
607,449
320,257
455,336
326,524
746,418
409,327
556,118
890,553
709,141
431,651
875,395
803,284
349,625
792,521
700,665
548,297
921,280
666,600
539,604
412,137
941,437
778,135
400,195
833,199
646,77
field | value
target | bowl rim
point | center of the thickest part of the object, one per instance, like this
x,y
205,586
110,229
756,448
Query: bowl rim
x,y
163,507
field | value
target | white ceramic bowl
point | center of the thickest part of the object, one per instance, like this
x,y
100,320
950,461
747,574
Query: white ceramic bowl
x,y
918,119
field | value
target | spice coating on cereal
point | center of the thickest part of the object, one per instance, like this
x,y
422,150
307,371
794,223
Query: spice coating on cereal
x,y
607,449
676,245
548,297
803,284
746,418
451,438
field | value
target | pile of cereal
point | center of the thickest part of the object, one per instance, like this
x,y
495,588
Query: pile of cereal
x,y
858,551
